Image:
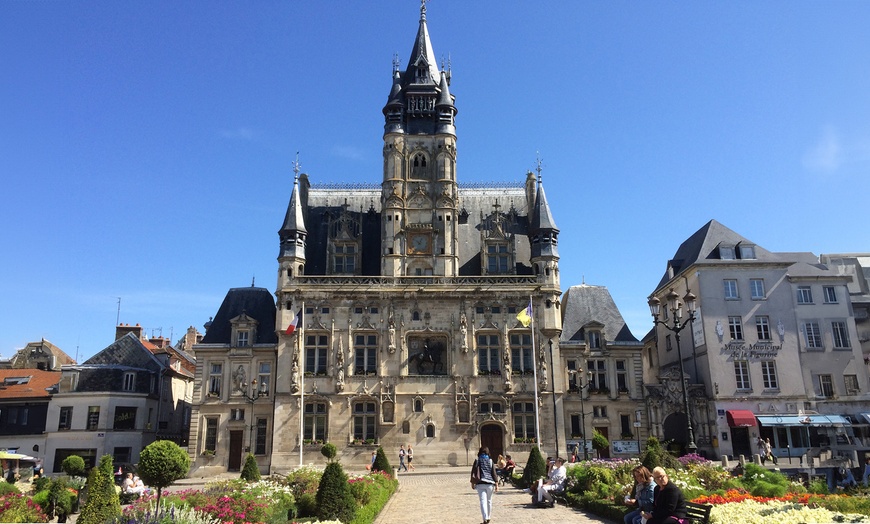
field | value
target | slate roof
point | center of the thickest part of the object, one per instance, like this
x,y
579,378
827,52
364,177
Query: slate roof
x,y
583,305
33,389
127,351
257,303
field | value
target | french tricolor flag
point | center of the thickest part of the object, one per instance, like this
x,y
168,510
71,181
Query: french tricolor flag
x,y
294,323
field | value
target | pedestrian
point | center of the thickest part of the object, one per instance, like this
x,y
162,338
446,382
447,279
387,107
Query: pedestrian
x,y
485,483
768,450
762,451
866,471
410,456
402,458
371,466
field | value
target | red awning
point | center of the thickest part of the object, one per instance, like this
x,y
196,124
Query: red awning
x,y
740,418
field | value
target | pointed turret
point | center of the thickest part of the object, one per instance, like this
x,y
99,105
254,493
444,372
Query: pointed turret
x,y
422,66
293,232
542,228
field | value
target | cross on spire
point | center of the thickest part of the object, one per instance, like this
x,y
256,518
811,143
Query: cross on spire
x,y
296,166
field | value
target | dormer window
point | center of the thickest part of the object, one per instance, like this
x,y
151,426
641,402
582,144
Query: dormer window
x,y
726,252
497,258
242,338
129,381
747,252
594,340
244,331
344,259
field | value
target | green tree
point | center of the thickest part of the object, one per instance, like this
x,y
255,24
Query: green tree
x,y
599,442
74,466
334,499
655,455
251,471
382,463
329,451
535,467
161,463
103,503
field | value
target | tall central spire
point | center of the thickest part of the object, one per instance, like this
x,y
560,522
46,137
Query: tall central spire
x,y
422,66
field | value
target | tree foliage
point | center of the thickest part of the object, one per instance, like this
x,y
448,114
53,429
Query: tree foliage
x,y
74,466
599,442
161,463
329,451
535,467
655,455
382,463
251,471
334,498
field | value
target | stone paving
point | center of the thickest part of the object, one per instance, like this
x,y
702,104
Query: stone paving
x,y
437,495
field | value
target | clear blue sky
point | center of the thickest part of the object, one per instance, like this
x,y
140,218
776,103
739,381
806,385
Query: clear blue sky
x,y
146,148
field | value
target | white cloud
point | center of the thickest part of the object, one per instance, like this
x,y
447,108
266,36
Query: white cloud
x,y
828,154
239,133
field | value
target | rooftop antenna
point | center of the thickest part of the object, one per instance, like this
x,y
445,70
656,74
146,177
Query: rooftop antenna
x,y
253,278
118,316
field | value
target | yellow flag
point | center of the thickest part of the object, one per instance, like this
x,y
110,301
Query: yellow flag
x,y
525,316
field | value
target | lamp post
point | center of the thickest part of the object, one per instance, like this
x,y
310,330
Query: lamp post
x,y
251,397
676,308
580,387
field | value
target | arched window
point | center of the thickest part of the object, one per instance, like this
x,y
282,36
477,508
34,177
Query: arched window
x,y
430,430
418,405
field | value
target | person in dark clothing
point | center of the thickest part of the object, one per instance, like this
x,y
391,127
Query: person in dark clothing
x,y
669,507
487,482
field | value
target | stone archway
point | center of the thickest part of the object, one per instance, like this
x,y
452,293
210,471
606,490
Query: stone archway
x,y
675,428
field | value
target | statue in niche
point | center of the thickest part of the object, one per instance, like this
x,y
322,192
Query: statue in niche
x,y
294,375
543,367
239,378
339,368
506,358
392,334
463,332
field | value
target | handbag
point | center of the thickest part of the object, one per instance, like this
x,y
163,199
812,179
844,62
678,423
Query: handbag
x,y
475,473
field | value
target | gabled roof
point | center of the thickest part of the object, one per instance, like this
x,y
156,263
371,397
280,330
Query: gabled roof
x,y
586,306
256,302
34,386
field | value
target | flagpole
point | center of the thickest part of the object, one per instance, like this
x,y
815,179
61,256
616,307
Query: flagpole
x,y
301,353
535,375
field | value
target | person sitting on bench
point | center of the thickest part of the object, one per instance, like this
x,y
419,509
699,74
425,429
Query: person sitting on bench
x,y
555,482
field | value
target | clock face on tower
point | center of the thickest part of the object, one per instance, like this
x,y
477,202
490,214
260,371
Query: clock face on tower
x,y
420,243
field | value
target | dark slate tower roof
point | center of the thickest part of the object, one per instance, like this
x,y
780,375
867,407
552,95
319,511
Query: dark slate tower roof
x,y
543,232
293,234
257,303
420,101
583,306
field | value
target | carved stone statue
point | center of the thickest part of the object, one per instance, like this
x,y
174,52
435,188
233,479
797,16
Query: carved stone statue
x,y
239,378
339,369
463,332
392,335
294,376
542,378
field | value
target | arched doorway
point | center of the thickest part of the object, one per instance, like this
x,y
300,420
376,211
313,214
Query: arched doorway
x,y
676,430
492,436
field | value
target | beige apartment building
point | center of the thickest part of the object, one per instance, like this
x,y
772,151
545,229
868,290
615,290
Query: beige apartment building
x,y
773,351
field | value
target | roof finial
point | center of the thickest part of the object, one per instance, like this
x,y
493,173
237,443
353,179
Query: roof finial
x,y
396,63
253,279
296,167
423,9
539,163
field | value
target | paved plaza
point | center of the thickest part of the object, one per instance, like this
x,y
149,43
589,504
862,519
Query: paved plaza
x,y
438,495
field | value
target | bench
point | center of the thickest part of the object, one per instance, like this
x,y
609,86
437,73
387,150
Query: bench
x,y
698,513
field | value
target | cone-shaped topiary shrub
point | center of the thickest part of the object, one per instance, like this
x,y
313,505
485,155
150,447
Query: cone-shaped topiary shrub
x,y
334,498
251,472
535,468
103,503
382,463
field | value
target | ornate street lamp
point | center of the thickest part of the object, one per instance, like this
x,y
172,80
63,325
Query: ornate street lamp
x,y
676,309
578,373
251,397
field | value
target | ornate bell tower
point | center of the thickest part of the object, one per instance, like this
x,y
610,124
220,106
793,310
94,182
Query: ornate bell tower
x,y
419,194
